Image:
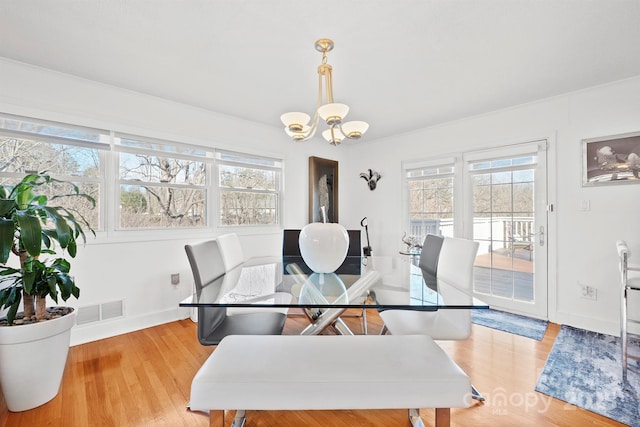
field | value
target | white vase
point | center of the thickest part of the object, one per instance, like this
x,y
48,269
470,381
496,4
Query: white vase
x,y
32,361
323,246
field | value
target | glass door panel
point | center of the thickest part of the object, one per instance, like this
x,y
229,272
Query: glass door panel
x,y
510,268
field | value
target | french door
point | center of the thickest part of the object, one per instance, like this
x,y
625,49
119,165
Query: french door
x,y
505,211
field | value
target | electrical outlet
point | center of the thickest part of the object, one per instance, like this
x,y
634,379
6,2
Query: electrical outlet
x,y
588,292
175,279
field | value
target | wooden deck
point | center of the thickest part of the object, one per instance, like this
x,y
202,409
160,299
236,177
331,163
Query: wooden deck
x,y
504,261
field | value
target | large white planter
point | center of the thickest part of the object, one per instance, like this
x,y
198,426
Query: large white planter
x,y
32,361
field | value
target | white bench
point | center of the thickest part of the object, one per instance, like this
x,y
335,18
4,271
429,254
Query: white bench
x,y
293,372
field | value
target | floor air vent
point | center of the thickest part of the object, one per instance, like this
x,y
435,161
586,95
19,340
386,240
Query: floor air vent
x,y
98,312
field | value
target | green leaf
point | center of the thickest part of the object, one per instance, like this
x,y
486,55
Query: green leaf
x,y
67,286
11,314
78,224
47,235
7,271
62,228
7,296
6,205
24,195
30,232
28,281
72,248
53,289
11,297
62,265
7,230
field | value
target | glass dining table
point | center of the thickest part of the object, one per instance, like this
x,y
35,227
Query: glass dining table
x,y
374,282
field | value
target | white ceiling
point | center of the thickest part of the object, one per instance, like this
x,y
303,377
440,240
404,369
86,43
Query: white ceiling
x,y
400,65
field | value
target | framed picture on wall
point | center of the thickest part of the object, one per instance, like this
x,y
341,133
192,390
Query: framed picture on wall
x,y
323,189
611,159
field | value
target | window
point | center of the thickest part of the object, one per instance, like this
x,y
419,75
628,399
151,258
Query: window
x,y
249,188
152,184
65,152
430,199
161,185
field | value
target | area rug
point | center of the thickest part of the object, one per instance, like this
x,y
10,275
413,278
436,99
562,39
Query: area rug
x,y
512,323
584,368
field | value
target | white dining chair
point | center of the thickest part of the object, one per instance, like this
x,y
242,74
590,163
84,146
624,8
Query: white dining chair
x,y
455,286
233,256
210,278
230,250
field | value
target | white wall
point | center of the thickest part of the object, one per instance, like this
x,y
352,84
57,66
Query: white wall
x,y
582,244
134,270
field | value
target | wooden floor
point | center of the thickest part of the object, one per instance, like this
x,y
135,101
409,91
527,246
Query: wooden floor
x,y
143,379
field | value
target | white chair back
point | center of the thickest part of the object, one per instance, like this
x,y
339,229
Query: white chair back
x,y
206,262
230,250
455,264
455,283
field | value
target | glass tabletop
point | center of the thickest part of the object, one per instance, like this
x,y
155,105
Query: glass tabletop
x,y
288,282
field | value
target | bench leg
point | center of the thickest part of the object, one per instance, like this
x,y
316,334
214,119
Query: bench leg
x,y
216,418
443,417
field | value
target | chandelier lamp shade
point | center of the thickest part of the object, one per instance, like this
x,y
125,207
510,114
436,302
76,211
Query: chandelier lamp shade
x,y
301,127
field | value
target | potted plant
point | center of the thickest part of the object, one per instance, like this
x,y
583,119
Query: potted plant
x,y
34,343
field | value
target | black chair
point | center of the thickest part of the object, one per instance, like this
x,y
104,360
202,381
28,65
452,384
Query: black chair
x,y
213,322
290,246
352,264
291,251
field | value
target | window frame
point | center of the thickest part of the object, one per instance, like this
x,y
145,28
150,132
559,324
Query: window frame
x,y
118,148
109,180
278,168
101,145
426,165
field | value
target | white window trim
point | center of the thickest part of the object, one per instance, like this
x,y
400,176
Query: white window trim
x,y
109,181
217,189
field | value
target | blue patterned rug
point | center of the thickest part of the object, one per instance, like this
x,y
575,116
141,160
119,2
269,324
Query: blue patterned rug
x,y
512,323
584,368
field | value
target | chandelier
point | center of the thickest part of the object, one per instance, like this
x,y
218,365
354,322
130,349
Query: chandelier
x,y
297,125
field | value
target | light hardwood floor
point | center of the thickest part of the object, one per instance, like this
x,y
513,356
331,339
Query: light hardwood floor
x,y
143,379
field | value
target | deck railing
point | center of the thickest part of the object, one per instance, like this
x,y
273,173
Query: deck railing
x,y
507,232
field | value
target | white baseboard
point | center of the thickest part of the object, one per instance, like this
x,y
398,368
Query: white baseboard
x,y
81,334
590,324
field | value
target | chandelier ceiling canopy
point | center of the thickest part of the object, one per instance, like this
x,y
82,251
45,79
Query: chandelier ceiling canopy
x,y
297,124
